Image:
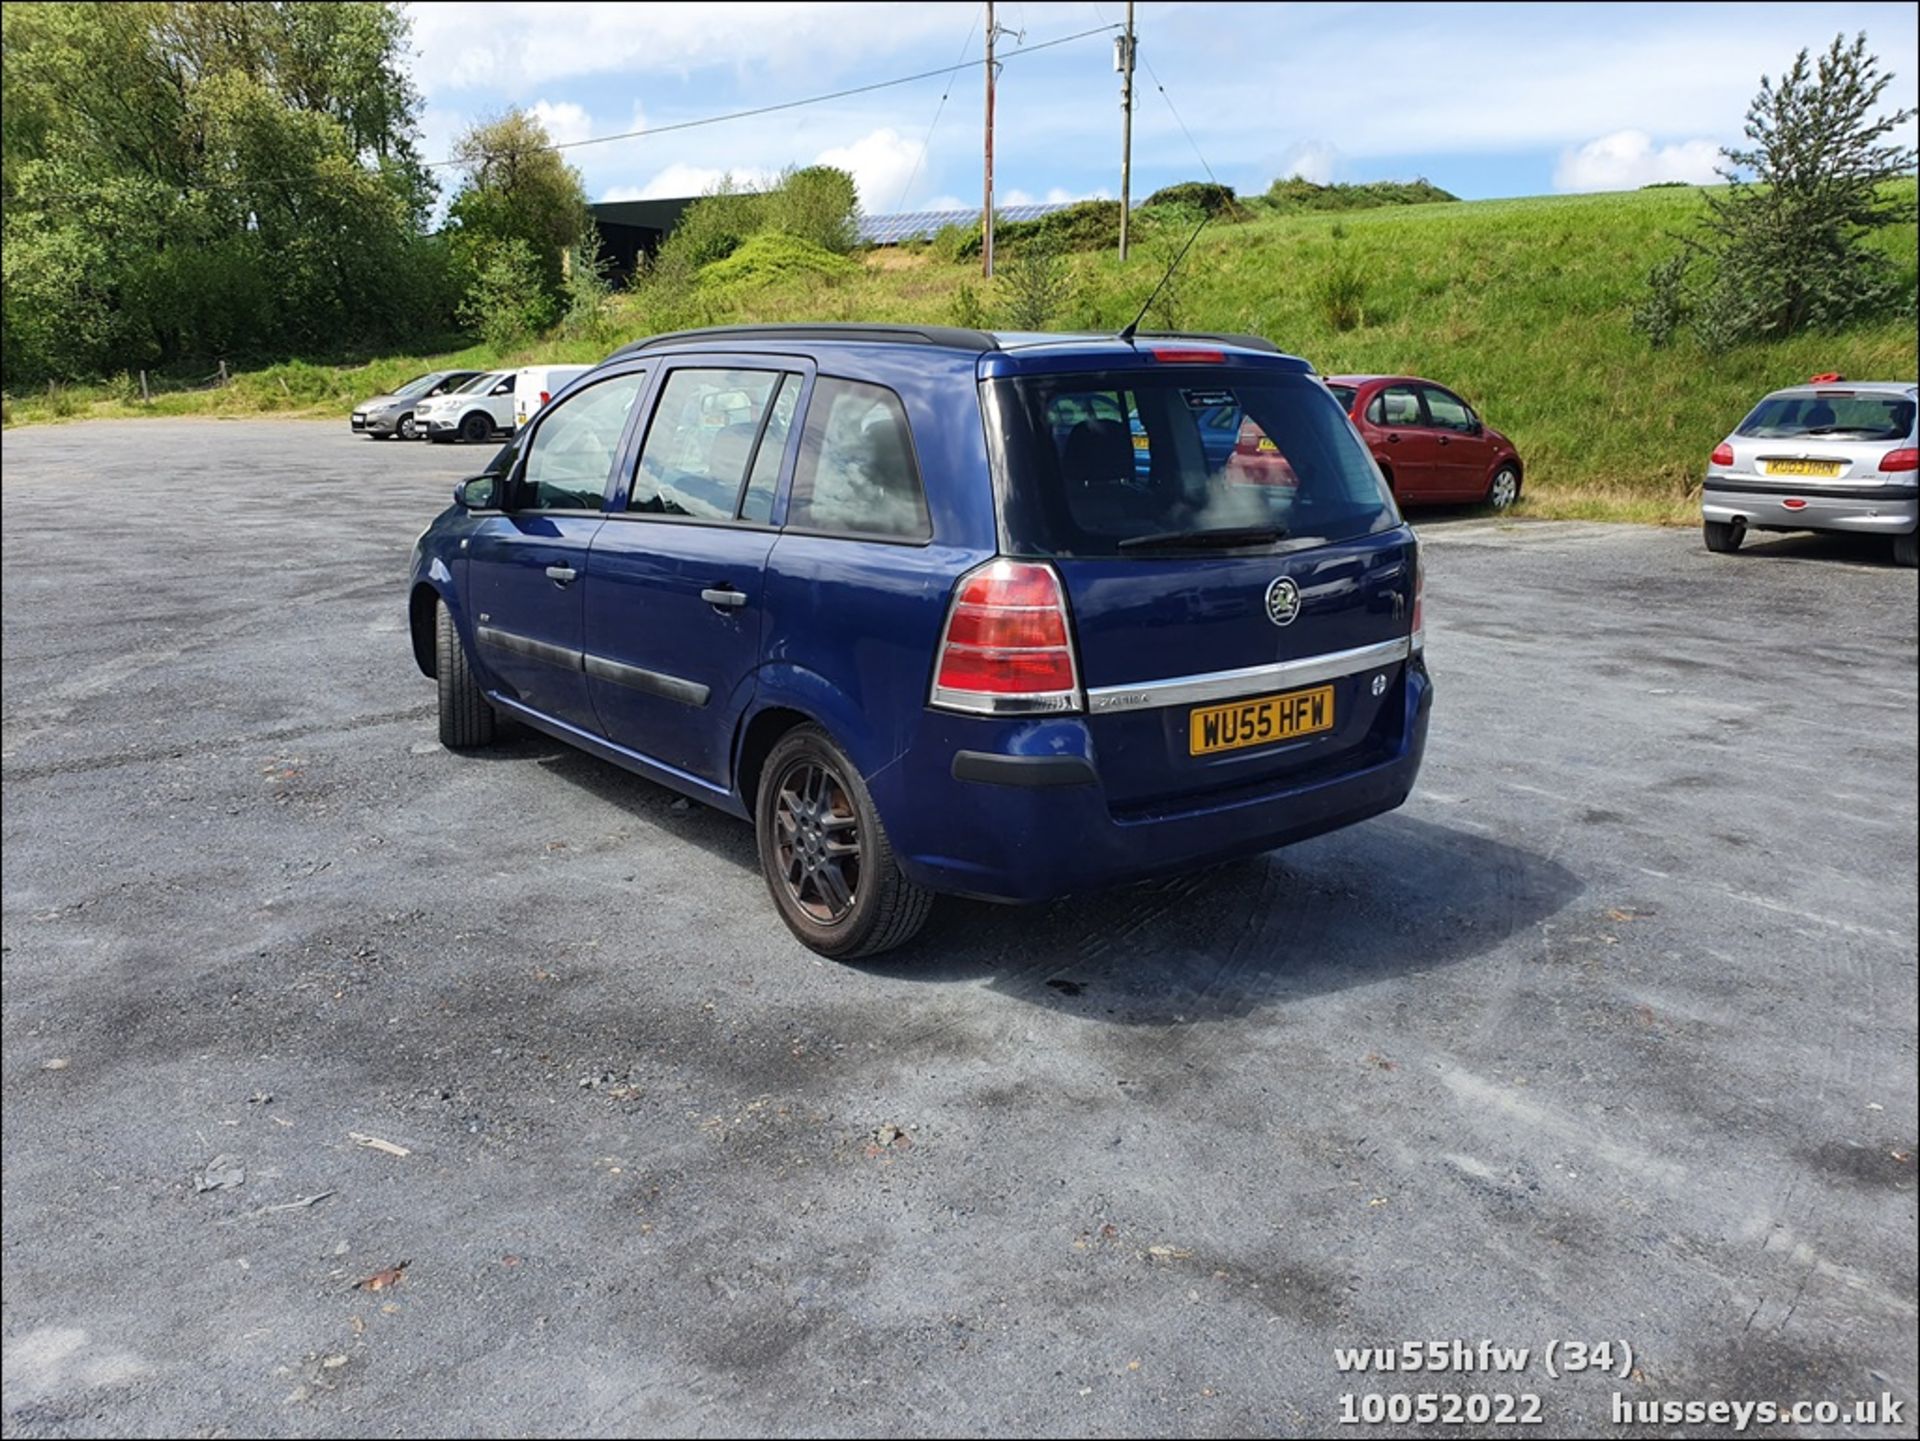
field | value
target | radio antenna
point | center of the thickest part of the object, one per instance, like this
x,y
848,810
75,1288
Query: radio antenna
x,y
1134,324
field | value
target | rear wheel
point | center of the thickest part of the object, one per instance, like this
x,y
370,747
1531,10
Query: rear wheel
x,y
826,857
1504,489
1723,536
466,720
1906,549
475,427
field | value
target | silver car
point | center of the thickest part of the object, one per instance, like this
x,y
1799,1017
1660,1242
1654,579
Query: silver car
x,y
387,416
1832,454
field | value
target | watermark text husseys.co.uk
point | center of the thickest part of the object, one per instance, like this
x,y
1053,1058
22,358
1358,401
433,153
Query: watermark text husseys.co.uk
x,y
1884,1410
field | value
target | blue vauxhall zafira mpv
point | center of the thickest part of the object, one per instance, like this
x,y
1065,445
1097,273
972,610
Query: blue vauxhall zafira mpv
x,y
945,611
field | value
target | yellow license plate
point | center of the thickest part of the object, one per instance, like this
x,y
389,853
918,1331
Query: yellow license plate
x,y
1260,721
1141,442
1826,469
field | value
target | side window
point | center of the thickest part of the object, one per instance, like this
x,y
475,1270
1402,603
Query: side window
x,y
856,473
1377,409
505,387
1448,410
757,504
700,442
1399,405
571,453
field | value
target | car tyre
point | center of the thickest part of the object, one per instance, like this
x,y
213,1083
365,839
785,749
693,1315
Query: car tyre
x,y
827,860
475,427
1723,537
378,435
466,719
405,429
1504,489
1906,549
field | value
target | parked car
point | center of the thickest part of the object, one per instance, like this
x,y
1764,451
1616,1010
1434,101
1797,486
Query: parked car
x,y
387,416
1832,454
1429,443
535,385
857,584
474,412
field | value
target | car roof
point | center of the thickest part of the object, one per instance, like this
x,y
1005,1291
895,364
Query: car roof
x,y
1013,350
1828,387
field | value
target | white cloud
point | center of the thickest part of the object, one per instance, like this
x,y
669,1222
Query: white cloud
x,y
680,179
1628,159
564,121
881,163
1314,160
949,202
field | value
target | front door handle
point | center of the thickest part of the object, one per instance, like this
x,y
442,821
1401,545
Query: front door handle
x,y
1393,440
726,597
1443,440
563,574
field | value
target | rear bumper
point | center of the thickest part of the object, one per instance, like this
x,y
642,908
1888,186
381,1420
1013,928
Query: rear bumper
x,y
1874,510
988,835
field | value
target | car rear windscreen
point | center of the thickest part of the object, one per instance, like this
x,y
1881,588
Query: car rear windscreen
x,y
1344,394
1845,415
1133,462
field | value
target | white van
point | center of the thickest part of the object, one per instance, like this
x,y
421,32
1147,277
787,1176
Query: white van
x,y
535,385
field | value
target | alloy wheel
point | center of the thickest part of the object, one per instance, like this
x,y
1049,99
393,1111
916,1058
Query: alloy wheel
x,y
817,842
1506,489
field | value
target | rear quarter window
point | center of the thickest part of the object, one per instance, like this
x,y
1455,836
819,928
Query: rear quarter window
x,y
855,474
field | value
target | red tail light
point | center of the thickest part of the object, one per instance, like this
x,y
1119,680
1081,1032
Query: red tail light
x,y
1722,454
1895,460
1006,648
1419,601
544,397
1171,355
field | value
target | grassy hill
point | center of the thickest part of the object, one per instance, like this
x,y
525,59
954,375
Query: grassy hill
x,y
1521,305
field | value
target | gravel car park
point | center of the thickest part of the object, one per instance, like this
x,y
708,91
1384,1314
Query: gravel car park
x,y
351,1085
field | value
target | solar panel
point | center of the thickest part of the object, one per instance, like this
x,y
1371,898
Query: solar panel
x,y
925,224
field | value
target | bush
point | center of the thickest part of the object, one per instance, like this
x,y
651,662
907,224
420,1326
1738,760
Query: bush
x,y
966,310
819,205
1034,283
1215,201
951,242
769,257
588,292
1295,193
1665,307
507,301
714,226
1341,290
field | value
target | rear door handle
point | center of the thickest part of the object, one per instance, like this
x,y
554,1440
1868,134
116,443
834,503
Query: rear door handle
x,y
725,596
1393,440
564,574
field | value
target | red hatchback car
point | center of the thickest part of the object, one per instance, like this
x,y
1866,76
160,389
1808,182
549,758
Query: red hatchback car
x,y
1430,445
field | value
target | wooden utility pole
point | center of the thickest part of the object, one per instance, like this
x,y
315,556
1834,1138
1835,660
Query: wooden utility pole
x,y
1124,64
986,210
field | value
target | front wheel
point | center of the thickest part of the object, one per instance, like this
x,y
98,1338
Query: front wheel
x,y
475,427
1504,489
1723,537
466,719
405,429
1906,549
826,857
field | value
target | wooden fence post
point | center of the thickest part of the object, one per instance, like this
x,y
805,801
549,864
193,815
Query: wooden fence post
x,y
223,373
146,396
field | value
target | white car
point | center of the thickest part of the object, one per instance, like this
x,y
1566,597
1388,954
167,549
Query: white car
x,y
475,411
1833,454
535,385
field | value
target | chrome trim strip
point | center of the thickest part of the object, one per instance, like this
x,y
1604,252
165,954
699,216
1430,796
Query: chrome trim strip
x,y
526,645
653,682
1249,680
967,702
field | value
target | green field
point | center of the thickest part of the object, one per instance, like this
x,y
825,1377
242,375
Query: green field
x,y
1521,305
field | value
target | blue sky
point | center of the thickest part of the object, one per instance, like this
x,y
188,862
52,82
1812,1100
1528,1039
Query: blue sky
x,y
1483,99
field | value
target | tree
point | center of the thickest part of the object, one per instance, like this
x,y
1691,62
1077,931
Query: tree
x,y
183,180
1789,240
518,187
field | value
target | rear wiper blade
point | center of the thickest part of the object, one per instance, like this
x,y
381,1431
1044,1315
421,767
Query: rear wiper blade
x,y
1204,539
1844,430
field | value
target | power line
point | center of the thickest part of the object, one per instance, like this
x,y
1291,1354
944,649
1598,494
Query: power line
x,y
947,70
810,100
918,160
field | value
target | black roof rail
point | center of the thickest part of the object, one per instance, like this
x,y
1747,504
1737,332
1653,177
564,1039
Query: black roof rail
x,y
950,336
1245,342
